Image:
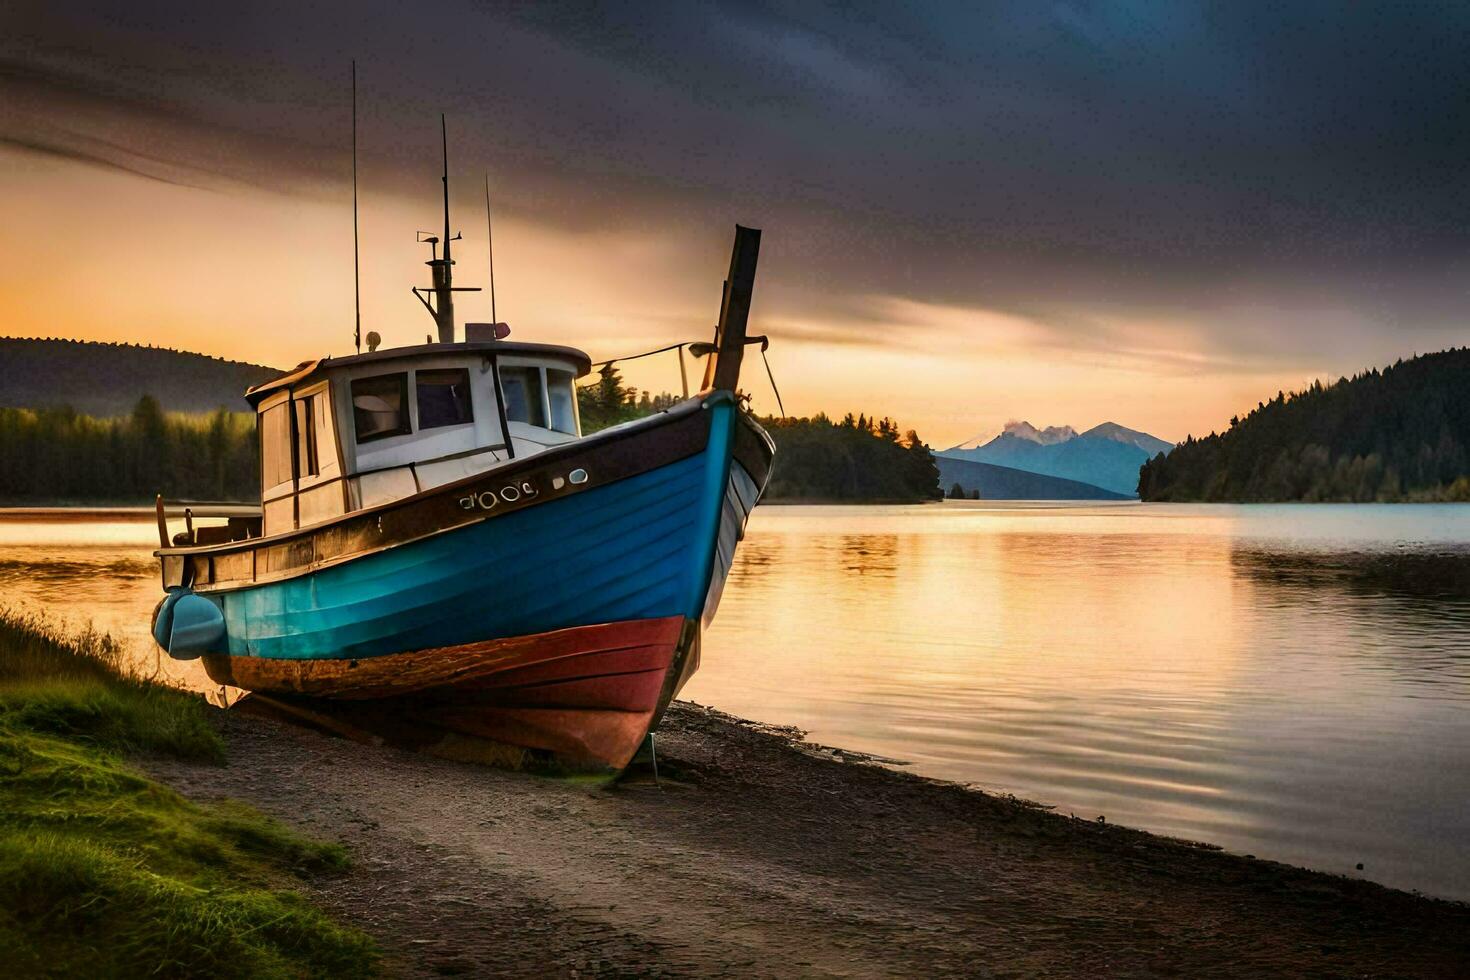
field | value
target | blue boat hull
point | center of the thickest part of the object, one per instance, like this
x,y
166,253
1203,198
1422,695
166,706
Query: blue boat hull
x,y
612,584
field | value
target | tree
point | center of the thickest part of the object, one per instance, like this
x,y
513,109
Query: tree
x,y
610,393
608,402
956,492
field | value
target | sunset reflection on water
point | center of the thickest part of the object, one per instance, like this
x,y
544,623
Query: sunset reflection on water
x,y
1284,681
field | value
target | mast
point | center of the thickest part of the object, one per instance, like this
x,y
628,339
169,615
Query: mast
x,y
722,370
442,268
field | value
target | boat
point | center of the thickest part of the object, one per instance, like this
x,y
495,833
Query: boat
x,y
440,547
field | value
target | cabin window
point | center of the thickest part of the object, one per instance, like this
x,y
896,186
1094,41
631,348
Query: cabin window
x,y
444,398
563,401
275,445
523,401
306,449
380,406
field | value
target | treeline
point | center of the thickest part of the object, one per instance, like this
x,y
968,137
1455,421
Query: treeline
x,y
57,455
1397,434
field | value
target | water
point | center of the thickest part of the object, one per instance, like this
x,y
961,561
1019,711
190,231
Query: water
x,y
1286,681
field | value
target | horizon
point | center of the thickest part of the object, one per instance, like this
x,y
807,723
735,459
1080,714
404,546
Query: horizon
x,y
1162,241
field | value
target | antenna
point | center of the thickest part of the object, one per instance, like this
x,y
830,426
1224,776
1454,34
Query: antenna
x,y
356,265
490,238
444,148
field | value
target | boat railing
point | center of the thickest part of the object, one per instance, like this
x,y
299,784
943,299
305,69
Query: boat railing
x,y
242,521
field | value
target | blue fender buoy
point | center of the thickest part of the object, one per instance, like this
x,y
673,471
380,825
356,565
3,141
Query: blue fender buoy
x,y
194,625
163,617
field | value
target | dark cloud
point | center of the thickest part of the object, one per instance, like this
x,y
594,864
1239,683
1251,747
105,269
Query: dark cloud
x,y
1163,159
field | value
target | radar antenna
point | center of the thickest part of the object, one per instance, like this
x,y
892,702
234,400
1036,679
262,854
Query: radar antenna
x,y
356,262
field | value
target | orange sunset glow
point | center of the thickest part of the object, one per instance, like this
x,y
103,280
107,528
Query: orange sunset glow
x,y
266,277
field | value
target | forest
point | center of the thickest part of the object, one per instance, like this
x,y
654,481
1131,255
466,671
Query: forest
x,y
850,461
856,459
1399,434
57,456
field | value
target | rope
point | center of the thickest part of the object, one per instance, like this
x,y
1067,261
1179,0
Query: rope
x,y
632,357
767,362
649,353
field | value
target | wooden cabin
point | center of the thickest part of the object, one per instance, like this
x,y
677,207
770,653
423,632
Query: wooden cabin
x,y
341,434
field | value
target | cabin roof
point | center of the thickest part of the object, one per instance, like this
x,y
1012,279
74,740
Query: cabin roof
x,y
307,369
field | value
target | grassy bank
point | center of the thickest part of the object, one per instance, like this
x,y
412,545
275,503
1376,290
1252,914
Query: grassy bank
x,y
105,872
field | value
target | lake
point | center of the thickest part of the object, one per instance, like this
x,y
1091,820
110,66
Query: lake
x,y
1286,681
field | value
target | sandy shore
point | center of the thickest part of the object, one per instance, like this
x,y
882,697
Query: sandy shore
x,y
761,855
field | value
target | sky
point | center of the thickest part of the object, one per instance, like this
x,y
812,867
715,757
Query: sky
x,y
1156,214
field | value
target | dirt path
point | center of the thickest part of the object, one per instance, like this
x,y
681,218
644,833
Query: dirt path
x,y
763,857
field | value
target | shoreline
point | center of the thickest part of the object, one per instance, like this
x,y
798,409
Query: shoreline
x,y
759,853
78,512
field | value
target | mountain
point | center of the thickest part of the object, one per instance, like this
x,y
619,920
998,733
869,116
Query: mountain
x,y
1106,456
108,379
1005,483
1402,433
1152,445
1051,435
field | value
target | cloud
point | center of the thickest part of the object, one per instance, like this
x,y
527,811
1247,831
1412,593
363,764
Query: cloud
x,y
108,160
1170,183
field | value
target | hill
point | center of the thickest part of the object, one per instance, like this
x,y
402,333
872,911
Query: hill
x,y
1004,483
1397,434
106,380
1106,456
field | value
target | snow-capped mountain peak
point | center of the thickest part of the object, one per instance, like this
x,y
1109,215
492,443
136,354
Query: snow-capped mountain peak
x,y
1049,436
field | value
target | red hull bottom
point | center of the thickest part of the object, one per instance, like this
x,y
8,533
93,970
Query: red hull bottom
x,y
586,696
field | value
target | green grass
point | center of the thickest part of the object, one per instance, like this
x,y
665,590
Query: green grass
x,y
107,873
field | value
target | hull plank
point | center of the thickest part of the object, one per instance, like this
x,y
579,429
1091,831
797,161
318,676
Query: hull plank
x,y
587,695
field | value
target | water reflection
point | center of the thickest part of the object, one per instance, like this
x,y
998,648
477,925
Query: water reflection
x,y
1426,578
1285,681
869,555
